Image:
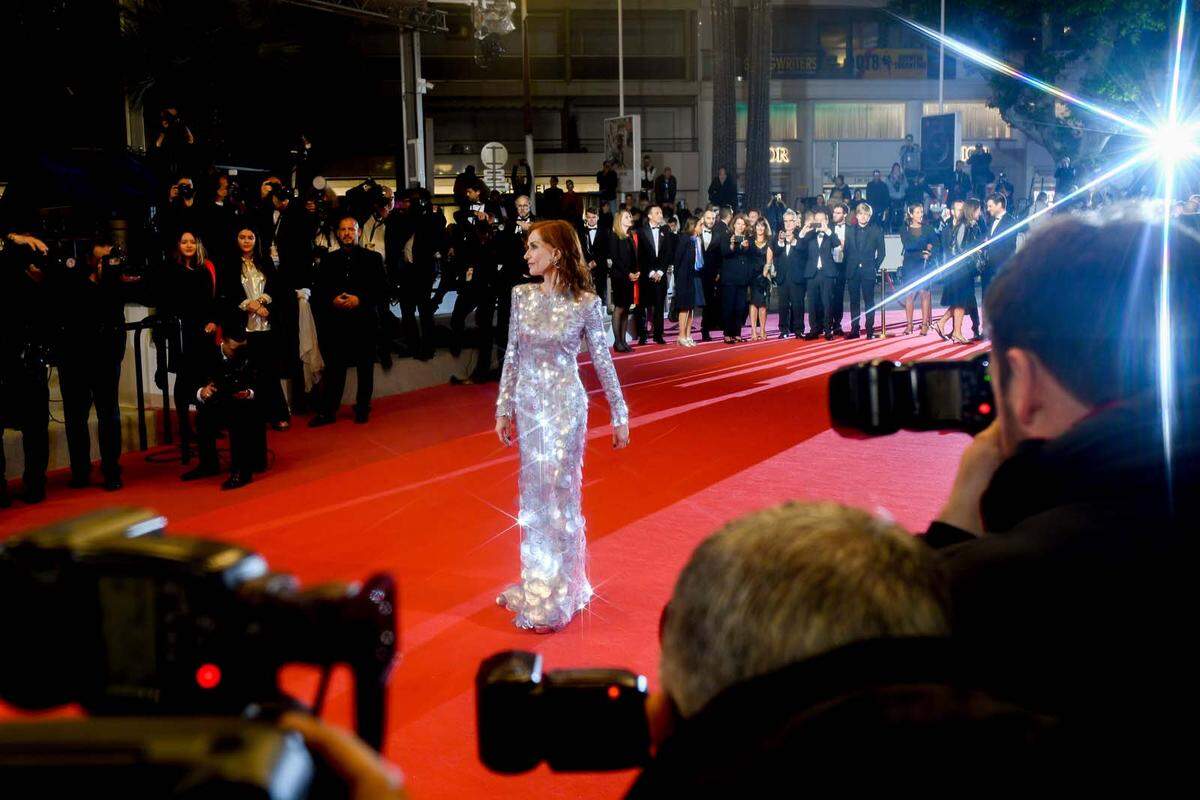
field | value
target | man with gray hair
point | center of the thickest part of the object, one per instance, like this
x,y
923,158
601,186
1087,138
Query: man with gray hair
x,y
806,636
790,583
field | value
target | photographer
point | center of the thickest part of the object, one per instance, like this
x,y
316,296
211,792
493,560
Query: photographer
x,y
415,239
24,348
821,272
173,149
226,400
1068,533
478,259
90,305
182,213
812,634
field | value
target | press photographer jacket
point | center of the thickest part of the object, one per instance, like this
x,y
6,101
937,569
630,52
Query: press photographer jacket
x,y
1078,598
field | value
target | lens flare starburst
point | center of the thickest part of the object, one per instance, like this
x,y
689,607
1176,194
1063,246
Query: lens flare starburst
x,y
1171,141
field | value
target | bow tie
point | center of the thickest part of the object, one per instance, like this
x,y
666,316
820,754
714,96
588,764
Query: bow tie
x,y
590,227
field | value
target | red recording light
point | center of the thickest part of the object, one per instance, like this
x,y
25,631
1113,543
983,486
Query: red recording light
x,y
614,692
208,676
985,408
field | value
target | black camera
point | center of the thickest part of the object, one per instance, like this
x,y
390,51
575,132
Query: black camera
x,y
880,397
523,712
126,621
276,190
185,191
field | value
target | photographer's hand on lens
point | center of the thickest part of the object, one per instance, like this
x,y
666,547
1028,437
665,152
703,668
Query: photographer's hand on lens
x,y
979,463
366,773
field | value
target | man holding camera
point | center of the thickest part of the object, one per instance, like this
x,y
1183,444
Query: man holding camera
x,y
479,262
345,299
24,358
415,233
821,272
226,401
1069,532
789,267
90,350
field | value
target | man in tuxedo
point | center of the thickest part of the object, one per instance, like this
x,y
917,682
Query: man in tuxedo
x,y
665,188
656,254
789,277
1000,247
226,400
839,224
821,272
712,237
864,250
551,206
595,253
345,302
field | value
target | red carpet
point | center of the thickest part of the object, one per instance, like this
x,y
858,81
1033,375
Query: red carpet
x,y
426,491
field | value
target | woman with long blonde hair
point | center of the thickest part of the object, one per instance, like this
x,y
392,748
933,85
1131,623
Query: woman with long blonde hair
x,y
543,406
623,269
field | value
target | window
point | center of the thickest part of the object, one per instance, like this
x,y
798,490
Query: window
x,y
842,121
833,43
866,35
784,121
978,121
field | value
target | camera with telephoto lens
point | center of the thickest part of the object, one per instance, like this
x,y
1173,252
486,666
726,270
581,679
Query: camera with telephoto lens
x,y
522,714
277,190
881,397
125,621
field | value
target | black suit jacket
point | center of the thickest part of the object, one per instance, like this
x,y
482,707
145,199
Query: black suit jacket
x,y
597,252
1003,248
790,266
714,254
356,271
648,260
864,249
822,249
665,188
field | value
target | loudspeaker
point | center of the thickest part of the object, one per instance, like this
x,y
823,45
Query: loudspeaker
x,y
940,142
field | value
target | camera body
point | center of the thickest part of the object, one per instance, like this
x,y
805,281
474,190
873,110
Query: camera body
x,y
522,715
881,397
126,621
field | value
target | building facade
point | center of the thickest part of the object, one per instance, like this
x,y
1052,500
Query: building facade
x,y
848,82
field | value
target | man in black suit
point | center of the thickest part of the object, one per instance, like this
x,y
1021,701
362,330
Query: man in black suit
x,y
1000,247
665,187
414,244
226,400
509,245
789,267
656,254
595,252
864,256
713,237
822,274
345,302
551,205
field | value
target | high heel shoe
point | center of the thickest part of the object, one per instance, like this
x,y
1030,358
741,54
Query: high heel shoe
x,y
958,339
938,330
908,330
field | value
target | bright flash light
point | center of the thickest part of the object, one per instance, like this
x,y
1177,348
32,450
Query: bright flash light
x,y
1173,142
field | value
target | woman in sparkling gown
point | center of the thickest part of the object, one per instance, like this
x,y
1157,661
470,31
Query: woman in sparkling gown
x,y
543,405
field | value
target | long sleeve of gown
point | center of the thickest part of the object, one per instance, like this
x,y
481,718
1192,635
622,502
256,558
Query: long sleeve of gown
x,y
506,400
597,342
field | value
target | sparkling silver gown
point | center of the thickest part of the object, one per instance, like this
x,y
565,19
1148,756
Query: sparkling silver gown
x,y
540,384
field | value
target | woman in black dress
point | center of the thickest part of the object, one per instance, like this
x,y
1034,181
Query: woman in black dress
x,y
191,295
958,283
689,287
920,243
623,271
762,265
735,279
248,289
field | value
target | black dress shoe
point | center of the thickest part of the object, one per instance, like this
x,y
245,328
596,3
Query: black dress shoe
x,y
657,340
237,480
33,494
829,336
320,419
782,335
113,484
641,340
80,481
704,337
871,334
808,337
853,334
202,471
281,425
361,416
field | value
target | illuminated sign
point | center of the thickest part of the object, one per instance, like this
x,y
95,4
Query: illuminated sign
x,y
780,155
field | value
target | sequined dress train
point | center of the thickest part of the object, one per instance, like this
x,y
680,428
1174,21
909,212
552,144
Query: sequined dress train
x,y
540,385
